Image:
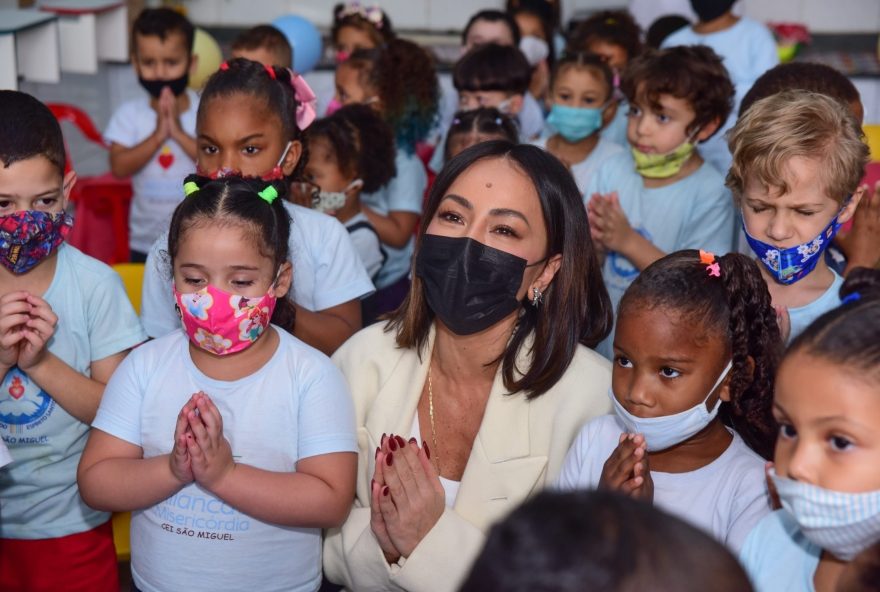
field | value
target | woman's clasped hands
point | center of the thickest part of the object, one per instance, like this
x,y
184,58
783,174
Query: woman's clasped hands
x,y
407,498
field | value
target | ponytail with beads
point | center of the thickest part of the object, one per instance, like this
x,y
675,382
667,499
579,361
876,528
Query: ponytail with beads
x,y
256,205
726,295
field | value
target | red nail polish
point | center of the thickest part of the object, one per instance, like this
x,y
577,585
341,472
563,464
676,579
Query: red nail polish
x,y
385,491
413,441
400,442
388,459
392,443
382,441
427,450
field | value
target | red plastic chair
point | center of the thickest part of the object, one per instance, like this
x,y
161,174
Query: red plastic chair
x,y
101,202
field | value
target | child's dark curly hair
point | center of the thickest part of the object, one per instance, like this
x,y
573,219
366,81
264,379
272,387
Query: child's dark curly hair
x,y
372,20
270,84
402,75
615,27
362,143
693,73
736,305
235,200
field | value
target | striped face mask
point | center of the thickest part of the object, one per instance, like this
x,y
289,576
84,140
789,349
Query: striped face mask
x,y
844,524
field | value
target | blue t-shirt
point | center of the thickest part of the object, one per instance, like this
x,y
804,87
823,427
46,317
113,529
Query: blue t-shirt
x,y
693,213
778,558
39,498
297,405
802,316
615,131
404,193
747,50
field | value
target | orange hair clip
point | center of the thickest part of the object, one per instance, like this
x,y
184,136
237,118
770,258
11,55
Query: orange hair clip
x,y
712,266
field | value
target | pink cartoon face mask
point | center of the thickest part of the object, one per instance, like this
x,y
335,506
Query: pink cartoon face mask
x,y
223,323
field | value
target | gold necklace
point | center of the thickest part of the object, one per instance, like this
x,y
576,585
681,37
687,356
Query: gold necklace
x,y
431,416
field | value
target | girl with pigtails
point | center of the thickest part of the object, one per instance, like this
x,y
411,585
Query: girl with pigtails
x,y
232,441
695,353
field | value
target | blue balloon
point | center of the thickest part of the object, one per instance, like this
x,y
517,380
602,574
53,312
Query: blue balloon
x,y
304,38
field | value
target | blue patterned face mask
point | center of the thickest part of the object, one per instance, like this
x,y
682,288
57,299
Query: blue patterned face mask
x,y
794,263
844,524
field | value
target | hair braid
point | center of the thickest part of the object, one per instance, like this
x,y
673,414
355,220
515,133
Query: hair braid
x,y
756,348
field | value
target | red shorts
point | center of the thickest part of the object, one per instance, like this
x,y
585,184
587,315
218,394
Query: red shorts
x,y
82,562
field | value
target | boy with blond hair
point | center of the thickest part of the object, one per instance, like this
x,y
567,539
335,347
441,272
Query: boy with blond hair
x,y
798,158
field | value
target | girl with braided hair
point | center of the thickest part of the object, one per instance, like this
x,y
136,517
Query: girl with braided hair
x,y
250,124
695,353
229,439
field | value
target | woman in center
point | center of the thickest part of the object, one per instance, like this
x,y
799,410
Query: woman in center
x,y
468,397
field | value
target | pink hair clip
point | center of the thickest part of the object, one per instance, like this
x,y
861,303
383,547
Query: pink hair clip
x,y
224,66
306,111
270,71
713,268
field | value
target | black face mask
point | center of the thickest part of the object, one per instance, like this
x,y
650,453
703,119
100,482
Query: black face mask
x,y
154,87
469,286
709,10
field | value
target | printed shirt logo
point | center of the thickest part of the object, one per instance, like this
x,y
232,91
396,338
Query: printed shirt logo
x,y
166,158
22,402
620,265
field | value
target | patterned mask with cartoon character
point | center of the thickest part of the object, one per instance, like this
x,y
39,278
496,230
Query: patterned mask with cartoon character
x,y
794,263
223,323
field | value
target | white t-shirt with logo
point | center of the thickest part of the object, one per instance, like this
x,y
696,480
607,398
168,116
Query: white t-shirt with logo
x,y
39,498
327,271
158,187
726,498
296,406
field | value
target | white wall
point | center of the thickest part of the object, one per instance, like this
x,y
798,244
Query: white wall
x,y
821,16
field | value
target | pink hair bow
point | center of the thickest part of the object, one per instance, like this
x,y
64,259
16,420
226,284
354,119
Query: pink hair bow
x,y
305,96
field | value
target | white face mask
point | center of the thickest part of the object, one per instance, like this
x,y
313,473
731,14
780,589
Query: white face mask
x,y
330,201
668,430
534,48
844,524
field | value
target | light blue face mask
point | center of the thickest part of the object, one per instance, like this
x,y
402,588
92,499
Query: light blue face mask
x,y
668,430
844,524
575,123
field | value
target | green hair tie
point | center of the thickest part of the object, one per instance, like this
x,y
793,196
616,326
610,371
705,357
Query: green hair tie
x,y
189,188
269,194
